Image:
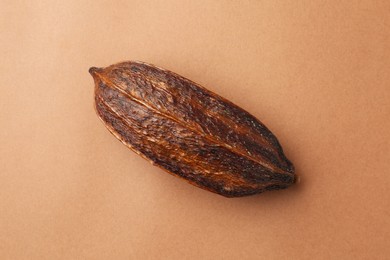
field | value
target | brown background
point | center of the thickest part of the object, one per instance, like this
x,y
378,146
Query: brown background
x,y
316,72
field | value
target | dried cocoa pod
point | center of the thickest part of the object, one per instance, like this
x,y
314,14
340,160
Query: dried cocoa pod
x,y
189,131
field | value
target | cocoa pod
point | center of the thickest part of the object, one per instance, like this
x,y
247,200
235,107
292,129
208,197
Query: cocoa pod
x,y
189,131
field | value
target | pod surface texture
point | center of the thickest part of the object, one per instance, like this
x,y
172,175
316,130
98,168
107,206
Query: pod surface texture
x,y
189,131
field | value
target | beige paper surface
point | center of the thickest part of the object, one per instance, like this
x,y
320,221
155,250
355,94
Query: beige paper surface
x,y
317,73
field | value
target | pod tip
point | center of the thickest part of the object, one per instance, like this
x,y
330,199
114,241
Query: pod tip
x,y
93,70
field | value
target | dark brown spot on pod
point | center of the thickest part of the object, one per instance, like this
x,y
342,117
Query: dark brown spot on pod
x,y
189,131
